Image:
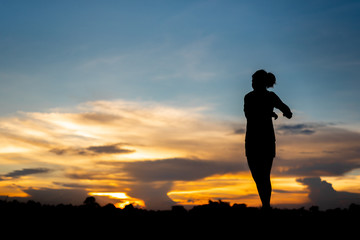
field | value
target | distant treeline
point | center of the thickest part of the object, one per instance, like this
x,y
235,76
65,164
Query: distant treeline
x,y
215,215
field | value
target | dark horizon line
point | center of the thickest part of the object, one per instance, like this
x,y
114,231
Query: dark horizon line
x,y
90,203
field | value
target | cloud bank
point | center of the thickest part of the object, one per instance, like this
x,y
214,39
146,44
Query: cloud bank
x,y
178,169
147,150
322,193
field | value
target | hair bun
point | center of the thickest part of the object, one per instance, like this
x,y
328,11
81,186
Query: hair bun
x,y
270,80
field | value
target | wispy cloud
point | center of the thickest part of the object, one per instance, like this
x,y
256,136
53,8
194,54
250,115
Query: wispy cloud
x,y
94,150
306,129
23,172
187,61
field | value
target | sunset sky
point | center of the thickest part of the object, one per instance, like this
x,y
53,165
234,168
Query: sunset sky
x,y
142,101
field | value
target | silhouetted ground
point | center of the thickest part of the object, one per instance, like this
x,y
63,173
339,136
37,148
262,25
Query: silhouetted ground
x,y
215,218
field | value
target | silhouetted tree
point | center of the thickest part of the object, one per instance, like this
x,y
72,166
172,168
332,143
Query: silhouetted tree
x,y
314,209
91,202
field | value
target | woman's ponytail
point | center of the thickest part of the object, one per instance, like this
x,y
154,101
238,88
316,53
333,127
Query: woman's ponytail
x,y
270,80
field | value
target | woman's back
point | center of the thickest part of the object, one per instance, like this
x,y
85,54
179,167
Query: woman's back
x,y
258,108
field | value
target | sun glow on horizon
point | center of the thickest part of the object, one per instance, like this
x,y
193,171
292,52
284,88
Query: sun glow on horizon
x,y
237,188
123,198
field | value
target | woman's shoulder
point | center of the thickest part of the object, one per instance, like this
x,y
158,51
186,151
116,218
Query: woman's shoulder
x,y
267,94
272,94
273,97
249,94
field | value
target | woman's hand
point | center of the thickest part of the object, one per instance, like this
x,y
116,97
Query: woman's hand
x,y
274,115
288,115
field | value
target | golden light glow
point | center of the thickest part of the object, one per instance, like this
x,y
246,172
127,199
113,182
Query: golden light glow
x,y
13,149
117,195
349,183
124,199
236,188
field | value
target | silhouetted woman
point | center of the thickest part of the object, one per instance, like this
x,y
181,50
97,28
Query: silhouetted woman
x,y
260,136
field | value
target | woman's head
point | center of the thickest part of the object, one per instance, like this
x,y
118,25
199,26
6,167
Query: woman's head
x,y
262,80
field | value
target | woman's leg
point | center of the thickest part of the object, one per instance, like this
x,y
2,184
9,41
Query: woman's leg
x,y
260,171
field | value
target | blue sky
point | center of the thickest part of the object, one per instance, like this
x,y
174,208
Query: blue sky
x,y
193,53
